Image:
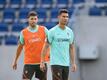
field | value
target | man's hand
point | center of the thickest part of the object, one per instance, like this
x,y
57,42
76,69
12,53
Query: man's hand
x,y
74,67
42,66
14,65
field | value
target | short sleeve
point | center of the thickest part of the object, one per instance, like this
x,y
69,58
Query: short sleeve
x,y
50,36
46,32
71,37
21,39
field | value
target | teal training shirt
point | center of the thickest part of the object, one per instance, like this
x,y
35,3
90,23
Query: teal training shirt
x,y
21,40
60,41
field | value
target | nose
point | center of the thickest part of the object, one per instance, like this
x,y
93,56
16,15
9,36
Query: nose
x,y
65,19
34,20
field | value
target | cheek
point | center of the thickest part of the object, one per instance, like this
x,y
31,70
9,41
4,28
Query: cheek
x,y
67,19
30,21
36,20
63,19
60,18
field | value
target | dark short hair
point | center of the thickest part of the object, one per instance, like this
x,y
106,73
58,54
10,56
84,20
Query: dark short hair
x,y
32,13
62,11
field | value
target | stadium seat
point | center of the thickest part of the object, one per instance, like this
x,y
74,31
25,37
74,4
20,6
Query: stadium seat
x,y
101,1
49,25
62,3
46,3
17,27
15,3
0,42
11,40
95,11
54,14
2,3
8,15
3,30
3,27
23,12
70,11
78,1
1,39
31,3
25,24
106,12
42,14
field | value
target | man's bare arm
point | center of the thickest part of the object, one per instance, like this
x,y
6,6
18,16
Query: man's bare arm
x,y
18,52
72,53
44,50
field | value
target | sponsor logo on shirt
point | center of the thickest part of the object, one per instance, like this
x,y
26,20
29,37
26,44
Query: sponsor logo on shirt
x,y
34,40
62,39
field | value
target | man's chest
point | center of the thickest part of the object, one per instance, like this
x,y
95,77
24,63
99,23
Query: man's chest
x,y
62,37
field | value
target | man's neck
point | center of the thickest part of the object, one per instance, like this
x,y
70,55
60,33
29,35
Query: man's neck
x,y
33,27
62,26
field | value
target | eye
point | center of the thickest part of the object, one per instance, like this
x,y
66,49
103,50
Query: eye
x,y
31,18
35,19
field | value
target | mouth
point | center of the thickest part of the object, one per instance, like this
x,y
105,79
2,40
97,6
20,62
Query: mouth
x,y
65,21
32,23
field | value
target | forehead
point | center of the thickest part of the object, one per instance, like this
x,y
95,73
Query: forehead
x,y
32,17
64,14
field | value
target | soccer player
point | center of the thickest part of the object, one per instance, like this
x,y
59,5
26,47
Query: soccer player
x,y
32,39
61,42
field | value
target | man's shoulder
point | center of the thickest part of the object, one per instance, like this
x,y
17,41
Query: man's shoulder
x,y
42,26
69,29
53,29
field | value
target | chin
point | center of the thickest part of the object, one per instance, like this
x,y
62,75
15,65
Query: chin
x,y
32,24
64,23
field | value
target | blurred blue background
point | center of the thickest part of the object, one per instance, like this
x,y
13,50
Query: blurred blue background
x,y
88,20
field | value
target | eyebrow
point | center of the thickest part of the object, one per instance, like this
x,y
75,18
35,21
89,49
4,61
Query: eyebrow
x,y
65,16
